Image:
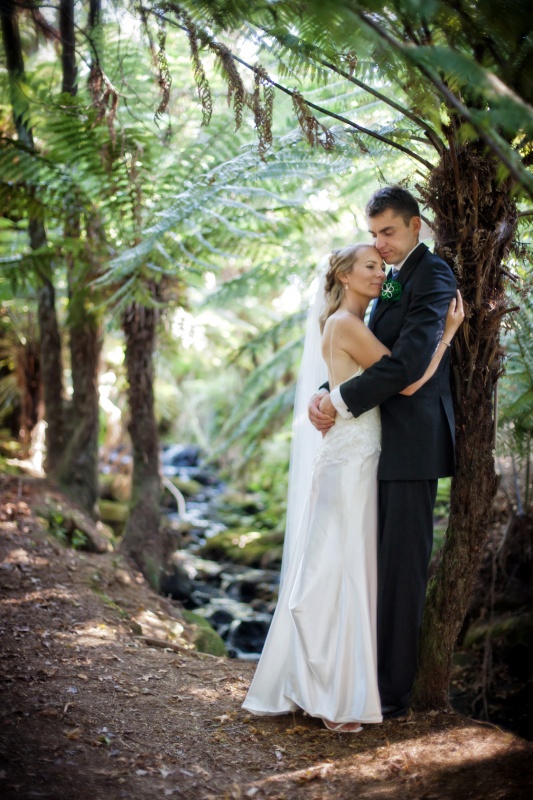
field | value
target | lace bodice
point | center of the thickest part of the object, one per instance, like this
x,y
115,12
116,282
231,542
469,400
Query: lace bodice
x,y
349,437
359,436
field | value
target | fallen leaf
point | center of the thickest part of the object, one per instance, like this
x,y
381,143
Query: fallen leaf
x,y
74,733
49,712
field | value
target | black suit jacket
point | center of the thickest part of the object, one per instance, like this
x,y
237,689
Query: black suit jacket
x,y
418,432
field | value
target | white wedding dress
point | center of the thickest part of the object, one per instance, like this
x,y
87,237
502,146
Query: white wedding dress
x,y
320,653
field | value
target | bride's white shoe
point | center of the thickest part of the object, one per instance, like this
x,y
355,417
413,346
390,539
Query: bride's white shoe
x,y
342,727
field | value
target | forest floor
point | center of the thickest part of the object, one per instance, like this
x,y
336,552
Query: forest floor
x,y
90,711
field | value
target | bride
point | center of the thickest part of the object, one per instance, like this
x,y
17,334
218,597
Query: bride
x,y
320,653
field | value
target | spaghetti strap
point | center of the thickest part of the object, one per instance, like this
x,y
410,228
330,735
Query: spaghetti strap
x,y
333,321
359,369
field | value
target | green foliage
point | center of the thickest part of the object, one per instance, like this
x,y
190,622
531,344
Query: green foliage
x,y
515,419
451,61
63,532
516,391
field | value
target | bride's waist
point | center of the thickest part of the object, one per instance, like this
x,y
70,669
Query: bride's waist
x,y
369,418
355,435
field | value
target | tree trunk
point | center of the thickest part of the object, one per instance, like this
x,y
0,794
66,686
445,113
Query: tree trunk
x,y
68,46
78,474
28,369
51,360
142,540
474,228
50,341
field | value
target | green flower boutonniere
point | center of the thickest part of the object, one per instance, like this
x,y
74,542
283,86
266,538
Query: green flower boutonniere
x,y
391,291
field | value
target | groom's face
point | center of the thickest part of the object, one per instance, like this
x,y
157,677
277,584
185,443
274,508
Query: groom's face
x,y
393,237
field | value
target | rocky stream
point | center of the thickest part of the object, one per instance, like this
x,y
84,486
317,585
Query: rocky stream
x,y
236,595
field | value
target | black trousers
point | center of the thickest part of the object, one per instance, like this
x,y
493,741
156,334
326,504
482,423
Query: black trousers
x,y
404,549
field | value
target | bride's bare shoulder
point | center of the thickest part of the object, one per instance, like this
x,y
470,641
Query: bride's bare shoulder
x,y
346,323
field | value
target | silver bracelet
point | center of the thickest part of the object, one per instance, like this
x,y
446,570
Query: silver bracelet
x,y
448,344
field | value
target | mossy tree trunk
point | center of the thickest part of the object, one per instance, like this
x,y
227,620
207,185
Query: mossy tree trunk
x,y
142,539
475,222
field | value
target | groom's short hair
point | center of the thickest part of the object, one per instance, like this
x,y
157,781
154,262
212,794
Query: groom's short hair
x,y
400,200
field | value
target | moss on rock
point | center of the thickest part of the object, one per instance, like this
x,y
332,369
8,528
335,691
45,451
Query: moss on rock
x,y
112,512
243,546
187,487
205,638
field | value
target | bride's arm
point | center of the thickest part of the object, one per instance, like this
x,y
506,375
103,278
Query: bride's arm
x,y
454,320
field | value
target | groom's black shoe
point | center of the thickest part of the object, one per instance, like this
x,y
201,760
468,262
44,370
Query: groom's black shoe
x,y
391,712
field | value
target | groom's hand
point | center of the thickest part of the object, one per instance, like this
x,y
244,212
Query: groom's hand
x,y
322,421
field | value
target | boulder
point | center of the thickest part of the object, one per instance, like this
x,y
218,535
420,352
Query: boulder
x,y
177,583
179,455
204,637
243,546
113,512
247,636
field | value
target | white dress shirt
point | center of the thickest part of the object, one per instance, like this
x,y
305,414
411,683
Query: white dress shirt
x,y
335,396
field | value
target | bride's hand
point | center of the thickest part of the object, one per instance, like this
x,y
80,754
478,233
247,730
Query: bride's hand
x,y
454,318
321,421
327,407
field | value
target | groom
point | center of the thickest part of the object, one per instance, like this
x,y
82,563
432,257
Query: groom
x,y
417,431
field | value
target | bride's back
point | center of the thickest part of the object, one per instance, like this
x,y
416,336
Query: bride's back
x,y
341,366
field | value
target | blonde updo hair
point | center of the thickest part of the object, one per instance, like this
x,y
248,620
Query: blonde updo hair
x,y
340,263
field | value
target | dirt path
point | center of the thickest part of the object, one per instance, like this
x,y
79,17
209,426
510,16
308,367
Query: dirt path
x,y
90,712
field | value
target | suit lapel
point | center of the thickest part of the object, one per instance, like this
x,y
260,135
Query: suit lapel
x,y
380,306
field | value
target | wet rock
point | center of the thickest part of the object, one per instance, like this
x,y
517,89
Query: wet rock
x,y
220,618
177,583
203,593
251,584
246,637
204,477
203,570
179,455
